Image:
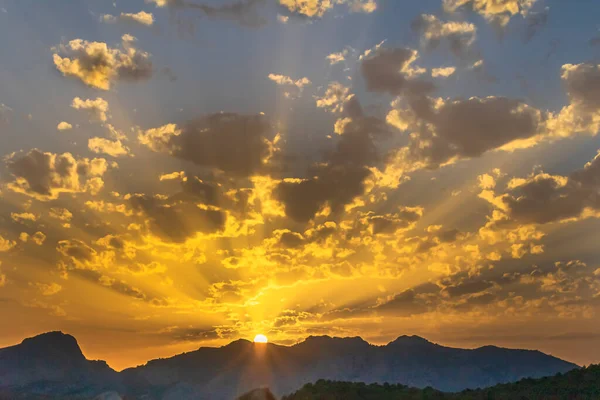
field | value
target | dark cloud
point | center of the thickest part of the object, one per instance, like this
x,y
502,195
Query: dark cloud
x,y
468,128
340,178
47,175
390,223
392,71
239,145
545,198
291,240
582,82
175,219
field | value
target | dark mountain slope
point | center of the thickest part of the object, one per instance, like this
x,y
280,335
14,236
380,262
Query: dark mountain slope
x,y
226,372
53,364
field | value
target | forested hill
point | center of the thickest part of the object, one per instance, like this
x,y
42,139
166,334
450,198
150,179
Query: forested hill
x,y
579,384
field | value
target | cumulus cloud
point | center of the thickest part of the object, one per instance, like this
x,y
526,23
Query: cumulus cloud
x,y
341,176
142,17
114,148
444,131
98,65
293,88
241,145
64,126
582,115
544,198
458,36
46,175
496,11
318,8
97,109
393,71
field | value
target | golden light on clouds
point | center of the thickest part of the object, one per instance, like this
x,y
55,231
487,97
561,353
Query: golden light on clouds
x,y
166,187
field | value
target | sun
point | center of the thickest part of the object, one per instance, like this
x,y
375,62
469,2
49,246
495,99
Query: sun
x,y
260,339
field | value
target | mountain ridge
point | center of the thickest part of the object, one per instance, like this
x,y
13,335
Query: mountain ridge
x,y
228,371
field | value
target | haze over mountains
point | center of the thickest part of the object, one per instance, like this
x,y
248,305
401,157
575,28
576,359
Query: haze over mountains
x,y
52,366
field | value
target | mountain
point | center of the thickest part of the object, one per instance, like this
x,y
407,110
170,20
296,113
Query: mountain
x,y
224,373
52,366
578,384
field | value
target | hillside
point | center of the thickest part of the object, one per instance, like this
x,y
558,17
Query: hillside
x,y
579,384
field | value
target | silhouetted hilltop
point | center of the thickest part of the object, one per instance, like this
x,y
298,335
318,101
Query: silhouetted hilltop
x,y
53,364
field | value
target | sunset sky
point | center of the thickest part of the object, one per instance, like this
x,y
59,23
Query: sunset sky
x,y
184,173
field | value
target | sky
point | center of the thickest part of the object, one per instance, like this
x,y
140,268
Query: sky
x,y
184,173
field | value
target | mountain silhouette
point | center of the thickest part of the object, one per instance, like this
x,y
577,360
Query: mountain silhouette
x,y
52,365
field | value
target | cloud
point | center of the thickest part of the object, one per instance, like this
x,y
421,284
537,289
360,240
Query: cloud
x,y
444,131
443,72
48,289
392,71
142,18
336,58
23,217
64,126
176,220
178,175
458,36
6,245
61,214
38,238
341,176
240,145
404,219
334,98
318,8
113,148
495,11
46,175
98,65
544,198
582,115
294,88
97,109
